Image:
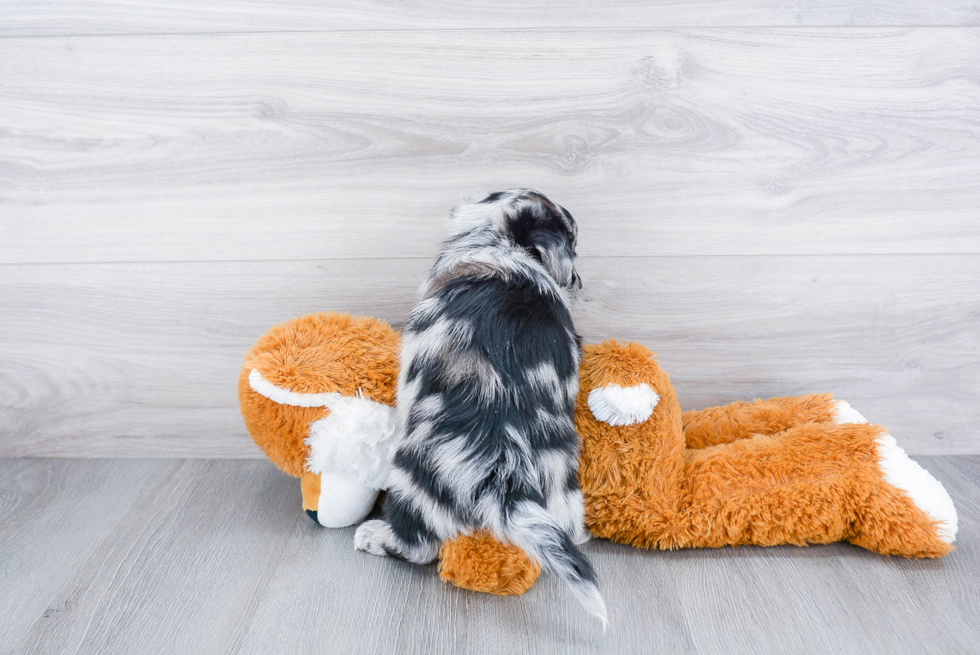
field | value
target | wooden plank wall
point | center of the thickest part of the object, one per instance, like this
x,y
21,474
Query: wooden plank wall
x,y
777,200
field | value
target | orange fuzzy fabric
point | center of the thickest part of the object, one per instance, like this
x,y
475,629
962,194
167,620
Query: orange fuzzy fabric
x,y
319,353
309,484
740,420
479,562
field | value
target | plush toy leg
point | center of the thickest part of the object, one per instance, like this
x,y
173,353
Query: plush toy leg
x,y
336,501
310,486
479,562
817,483
742,420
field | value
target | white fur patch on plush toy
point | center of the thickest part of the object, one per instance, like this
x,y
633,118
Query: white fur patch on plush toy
x,y
343,501
618,405
282,396
358,437
844,413
926,492
902,472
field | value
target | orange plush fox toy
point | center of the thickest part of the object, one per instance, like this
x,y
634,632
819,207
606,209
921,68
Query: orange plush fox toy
x,y
316,395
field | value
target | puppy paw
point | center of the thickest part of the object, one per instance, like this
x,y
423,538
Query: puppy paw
x,y
371,537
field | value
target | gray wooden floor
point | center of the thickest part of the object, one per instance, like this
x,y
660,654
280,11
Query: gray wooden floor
x,y
207,556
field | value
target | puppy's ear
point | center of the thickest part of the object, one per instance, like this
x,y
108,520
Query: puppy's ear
x,y
554,250
545,239
493,197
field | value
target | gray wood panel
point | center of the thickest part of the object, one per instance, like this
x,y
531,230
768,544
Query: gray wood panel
x,y
217,557
142,359
67,17
54,516
181,571
355,144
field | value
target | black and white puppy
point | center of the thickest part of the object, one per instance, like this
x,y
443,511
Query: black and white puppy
x,y
486,395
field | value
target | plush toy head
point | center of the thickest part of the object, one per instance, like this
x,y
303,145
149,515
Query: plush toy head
x,y
316,394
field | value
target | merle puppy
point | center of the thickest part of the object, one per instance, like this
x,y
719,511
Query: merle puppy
x,y
486,393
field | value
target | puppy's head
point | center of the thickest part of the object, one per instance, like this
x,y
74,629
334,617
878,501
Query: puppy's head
x,y
530,221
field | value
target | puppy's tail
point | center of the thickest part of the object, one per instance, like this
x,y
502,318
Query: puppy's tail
x,y
535,531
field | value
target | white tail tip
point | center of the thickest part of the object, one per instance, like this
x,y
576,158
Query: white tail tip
x,y
588,595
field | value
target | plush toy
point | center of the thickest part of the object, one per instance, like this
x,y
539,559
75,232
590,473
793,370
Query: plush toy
x,y
316,394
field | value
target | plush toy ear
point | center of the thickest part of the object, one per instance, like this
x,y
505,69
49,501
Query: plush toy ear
x,y
618,405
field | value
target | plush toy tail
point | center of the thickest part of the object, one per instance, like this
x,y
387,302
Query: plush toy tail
x,y
532,529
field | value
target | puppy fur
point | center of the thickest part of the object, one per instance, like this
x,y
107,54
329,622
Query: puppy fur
x,y
486,395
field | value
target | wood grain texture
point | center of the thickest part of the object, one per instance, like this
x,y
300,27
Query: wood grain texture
x,y
138,360
216,557
355,144
54,515
68,17
181,571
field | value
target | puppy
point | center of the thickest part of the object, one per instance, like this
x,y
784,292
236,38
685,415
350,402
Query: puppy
x,y
487,389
